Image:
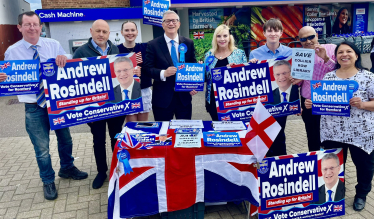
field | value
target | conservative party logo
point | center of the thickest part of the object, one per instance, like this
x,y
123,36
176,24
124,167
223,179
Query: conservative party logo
x,y
217,74
48,69
263,167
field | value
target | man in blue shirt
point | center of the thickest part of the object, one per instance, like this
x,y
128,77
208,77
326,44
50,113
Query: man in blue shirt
x,y
273,30
100,45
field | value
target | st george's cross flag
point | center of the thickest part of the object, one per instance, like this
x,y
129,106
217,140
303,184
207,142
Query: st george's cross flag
x,y
262,131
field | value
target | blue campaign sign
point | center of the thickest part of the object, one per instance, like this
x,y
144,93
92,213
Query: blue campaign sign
x,y
78,83
289,181
245,113
22,77
241,86
153,10
221,139
190,76
332,97
62,15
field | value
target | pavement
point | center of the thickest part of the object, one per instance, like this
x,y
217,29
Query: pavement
x,y
21,193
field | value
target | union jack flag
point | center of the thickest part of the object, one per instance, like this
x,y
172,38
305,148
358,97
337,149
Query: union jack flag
x,y
198,35
293,107
6,65
338,208
147,2
225,118
210,135
317,85
59,120
139,59
135,105
181,67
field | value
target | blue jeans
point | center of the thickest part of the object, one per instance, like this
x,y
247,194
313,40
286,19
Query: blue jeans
x,y
37,126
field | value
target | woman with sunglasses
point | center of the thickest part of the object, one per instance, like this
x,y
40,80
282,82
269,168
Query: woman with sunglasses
x,y
355,132
224,53
129,31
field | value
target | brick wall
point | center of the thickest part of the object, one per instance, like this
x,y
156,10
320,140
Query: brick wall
x,y
52,4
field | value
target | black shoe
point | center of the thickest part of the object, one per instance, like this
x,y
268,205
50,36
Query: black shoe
x,y
358,204
99,180
50,192
73,173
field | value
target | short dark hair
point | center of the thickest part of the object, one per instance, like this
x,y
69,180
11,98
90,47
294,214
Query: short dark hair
x,y
129,22
29,14
273,23
331,156
358,64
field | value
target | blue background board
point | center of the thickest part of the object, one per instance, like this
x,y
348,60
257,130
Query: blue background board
x,y
17,85
182,83
219,139
278,110
310,174
321,211
338,107
56,15
360,21
154,18
51,76
252,76
94,113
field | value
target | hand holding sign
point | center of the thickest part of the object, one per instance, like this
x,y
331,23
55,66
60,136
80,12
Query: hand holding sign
x,y
321,52
356,102
170,71
3,77
137,71
61,60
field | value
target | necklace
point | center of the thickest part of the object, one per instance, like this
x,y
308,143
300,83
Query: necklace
x,y
223,55
130,51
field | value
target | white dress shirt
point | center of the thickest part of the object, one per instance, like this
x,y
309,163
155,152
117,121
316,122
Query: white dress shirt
x,y
129,89
168,43
333,189
288,91
21,50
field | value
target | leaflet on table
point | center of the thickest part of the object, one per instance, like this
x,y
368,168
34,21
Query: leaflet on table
x,y
222,139
228,125
295,185
241,86
190,76
86,90
153,10
188,140
193,131
332,97
186,124
302,63
22,77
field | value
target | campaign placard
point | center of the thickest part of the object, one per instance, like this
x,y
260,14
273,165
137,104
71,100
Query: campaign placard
x,y
190,76
280,70
153,10
296,186
87,90
221,139
302,63
22,77
242,86
332,97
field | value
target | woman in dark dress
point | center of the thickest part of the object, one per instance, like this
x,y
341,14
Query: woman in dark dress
x,y
341,22
129,31
225,54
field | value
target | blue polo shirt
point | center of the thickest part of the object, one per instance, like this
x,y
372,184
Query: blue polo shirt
x,y
264,53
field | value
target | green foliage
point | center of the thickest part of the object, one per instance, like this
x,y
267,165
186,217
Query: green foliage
x,y
240,34
202,45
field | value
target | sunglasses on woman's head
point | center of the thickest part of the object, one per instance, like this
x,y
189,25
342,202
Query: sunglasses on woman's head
x,y
307,38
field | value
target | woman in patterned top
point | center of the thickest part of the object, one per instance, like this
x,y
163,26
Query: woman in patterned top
x,y
357,131
225,54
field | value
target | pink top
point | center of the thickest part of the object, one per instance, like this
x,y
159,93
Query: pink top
x,y
320,69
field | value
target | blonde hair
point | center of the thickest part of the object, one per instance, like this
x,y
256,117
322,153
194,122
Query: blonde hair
x,y
219,30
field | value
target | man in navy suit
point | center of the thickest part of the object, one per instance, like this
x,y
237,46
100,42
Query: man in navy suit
x,y
160,63
285,92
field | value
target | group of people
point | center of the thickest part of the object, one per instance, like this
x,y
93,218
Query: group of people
x,y
161,56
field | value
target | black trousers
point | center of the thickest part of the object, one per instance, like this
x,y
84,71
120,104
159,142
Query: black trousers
x,y
364,163
278,148
98,130
211,108
176,108
312,127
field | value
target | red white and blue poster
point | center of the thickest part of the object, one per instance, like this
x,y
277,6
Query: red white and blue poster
x,y
87,90
279,71
22,77
190,76
307,185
